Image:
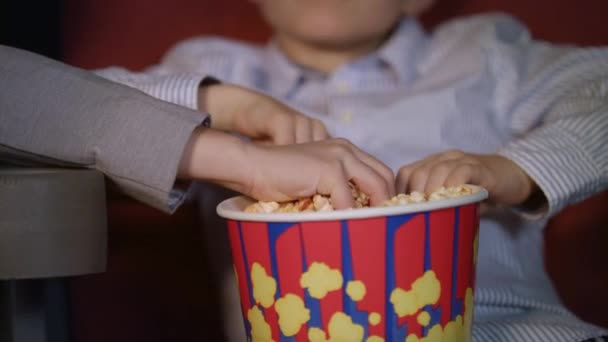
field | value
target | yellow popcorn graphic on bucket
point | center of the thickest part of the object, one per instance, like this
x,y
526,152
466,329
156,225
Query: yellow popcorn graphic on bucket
x,y
320,279
264,286
292,314
406,278
425,290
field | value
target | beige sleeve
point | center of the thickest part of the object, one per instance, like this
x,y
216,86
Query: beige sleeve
x,y
56,114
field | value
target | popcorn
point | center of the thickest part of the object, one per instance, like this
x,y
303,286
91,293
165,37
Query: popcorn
x,y
374,318
423,318
264,286
404,302
355,290
320,279
451,192
292,314
455,330
361,198
262,207
316,335
425,290
417,197
341,328
403,199
260,329
320,202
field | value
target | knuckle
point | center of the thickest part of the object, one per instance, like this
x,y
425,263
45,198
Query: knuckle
x,y
441,168
403,171
318,123
468,159
284,121
341,141
454,153
388,172
466,168
418,175
335,168
338,149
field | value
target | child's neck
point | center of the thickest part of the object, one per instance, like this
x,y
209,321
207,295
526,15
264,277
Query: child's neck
x,y
322,58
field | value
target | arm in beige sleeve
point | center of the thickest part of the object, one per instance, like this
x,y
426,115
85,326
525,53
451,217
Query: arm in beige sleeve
x,y
61,115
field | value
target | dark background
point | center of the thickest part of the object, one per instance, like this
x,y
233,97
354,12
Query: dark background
x,y
157,286
33,25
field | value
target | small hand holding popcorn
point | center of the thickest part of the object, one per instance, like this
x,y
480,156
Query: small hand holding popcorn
x,y
505,181
257,116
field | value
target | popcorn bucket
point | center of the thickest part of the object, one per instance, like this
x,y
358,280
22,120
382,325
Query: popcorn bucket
x,y
400,273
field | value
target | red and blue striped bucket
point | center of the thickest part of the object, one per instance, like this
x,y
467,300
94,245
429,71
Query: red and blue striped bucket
x,y
379,274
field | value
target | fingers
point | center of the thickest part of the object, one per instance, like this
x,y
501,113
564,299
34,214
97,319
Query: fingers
x,y
464,173
404,175
259,117
369,181
325,167
380,168
303,129
371,176
282,130
444,169
335,184
319,132
309,130
439,172
290,128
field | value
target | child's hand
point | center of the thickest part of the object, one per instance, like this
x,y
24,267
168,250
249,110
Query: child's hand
x,y
505,181
288,172
237,109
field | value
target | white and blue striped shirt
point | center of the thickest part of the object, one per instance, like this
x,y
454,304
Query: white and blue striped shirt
x,y
478,84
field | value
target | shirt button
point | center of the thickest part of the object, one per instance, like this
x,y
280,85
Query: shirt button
x,y
346,117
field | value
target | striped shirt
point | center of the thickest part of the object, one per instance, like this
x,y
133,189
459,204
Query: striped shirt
x,y
478,84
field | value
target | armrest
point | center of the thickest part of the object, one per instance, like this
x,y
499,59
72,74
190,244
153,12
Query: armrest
x,y
576,255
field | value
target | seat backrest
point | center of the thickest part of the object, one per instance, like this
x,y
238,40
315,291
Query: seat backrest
x,y
136,33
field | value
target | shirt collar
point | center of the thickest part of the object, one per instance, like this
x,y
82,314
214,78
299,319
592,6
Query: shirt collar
x,y
285,74
399,53
401,50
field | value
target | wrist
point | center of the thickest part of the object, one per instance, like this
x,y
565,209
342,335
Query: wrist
x,y
529,197
203,88
216,157
218,100
535,202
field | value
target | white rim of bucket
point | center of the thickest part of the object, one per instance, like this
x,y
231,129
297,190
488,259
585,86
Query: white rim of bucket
x,y
232,209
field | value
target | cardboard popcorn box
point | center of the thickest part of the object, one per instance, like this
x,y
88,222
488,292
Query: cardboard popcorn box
x,y
394,273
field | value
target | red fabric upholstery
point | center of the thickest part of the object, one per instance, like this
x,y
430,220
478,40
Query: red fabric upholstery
x,y
155,287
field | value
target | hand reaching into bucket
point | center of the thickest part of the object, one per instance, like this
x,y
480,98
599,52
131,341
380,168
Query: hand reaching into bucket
x,y
287,172
505,181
